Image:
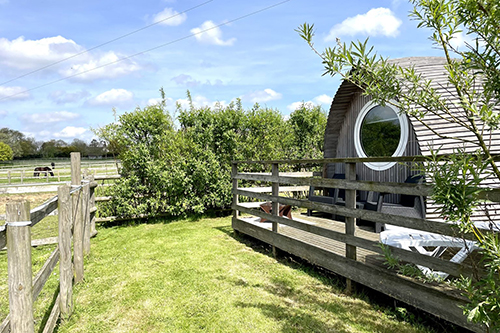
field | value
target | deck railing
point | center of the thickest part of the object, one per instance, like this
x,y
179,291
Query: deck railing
x,y
346,262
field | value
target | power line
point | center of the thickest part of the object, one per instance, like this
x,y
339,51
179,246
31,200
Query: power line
x,y
105,43
148,50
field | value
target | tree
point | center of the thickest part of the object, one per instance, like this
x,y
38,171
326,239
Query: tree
x,y
474,77
308,125
30,147
97,147
55,148
6,153
164,171
12,138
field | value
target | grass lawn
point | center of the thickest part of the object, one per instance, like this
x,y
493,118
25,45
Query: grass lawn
x,y
189,276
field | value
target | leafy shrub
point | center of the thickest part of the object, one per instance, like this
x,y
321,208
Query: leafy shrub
x,y
188,170
6,153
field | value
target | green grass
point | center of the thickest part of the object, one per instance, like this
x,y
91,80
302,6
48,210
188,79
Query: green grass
x,y
197,276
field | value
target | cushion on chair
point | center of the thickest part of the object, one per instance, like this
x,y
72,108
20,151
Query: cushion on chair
x,y
409,200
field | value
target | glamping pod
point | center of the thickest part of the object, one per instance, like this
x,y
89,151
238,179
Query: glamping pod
x,y
357,127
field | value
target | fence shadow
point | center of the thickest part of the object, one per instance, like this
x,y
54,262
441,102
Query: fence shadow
x,y
388,305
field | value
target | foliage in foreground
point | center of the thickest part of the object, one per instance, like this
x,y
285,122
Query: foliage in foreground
x,y
173,171
474,78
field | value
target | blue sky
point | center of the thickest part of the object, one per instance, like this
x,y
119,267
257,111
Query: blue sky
x,y
259,58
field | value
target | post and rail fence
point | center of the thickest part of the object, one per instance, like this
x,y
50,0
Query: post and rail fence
x,y
75,204
25,175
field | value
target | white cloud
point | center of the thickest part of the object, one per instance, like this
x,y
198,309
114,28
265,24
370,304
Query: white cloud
x,y
209,33
30,54
67,134
297,105
70,132
190,82
113,97
63,97
98,68
170,17
184,79
3,113
200,101
321,100
262,96
22,54
10,93
154,101
376,22
49,117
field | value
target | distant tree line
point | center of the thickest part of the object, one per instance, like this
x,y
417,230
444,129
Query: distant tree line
x,y
183,165
23,147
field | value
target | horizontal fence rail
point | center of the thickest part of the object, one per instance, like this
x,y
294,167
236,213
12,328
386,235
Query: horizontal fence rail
x,y
26,175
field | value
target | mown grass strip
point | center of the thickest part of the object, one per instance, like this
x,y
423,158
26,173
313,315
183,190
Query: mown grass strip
x,y
193,276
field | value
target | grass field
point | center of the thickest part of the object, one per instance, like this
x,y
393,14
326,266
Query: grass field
x,y
198,276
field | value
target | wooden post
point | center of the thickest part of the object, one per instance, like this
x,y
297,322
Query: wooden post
x,y
65,264
47,176
86,217
350,222
76,180
276,204
19,266
93,230
22,176
8,176
234,172
76,169
58,176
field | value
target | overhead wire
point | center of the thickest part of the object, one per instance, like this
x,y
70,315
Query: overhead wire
x,y
105,43
148,50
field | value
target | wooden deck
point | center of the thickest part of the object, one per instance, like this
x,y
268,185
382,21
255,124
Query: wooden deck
x,y
343,247
368,268
364,256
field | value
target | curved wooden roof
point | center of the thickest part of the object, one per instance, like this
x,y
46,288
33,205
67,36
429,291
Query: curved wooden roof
x,y
431,68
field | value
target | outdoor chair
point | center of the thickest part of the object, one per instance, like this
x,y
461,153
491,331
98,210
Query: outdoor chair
x,y
284,210
408,205
431,244
333,195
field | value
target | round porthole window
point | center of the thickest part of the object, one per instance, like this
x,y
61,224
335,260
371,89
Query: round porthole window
x,y
380,131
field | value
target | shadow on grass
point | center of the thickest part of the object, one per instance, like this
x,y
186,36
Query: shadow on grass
x,y
295,317
130,222
163,219
49,310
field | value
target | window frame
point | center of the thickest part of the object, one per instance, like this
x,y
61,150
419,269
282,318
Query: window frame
x,y
403,139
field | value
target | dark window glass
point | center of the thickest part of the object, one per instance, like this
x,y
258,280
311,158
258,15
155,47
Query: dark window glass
x,y
380,132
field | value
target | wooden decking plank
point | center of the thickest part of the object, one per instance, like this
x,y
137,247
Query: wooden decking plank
x,y
336,247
